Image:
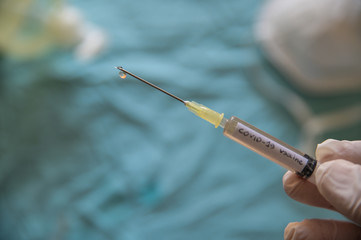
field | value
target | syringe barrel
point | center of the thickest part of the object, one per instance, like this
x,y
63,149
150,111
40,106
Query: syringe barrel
x,y
270,147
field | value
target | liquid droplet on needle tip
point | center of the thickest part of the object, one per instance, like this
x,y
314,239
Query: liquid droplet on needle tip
x,y
122,75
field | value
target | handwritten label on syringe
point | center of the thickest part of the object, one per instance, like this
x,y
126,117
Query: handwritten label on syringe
x,y
269,147
256,138
291,156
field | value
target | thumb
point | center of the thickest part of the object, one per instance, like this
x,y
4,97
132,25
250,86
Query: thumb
x,y
338,181
315,229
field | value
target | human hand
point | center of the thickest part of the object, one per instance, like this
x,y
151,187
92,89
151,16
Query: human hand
x,y
337,187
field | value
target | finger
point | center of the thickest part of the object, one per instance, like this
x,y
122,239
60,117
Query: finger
x,y
332,149
303,191
314,229
339,183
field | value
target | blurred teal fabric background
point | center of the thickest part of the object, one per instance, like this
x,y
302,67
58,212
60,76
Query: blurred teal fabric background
x,y
87,155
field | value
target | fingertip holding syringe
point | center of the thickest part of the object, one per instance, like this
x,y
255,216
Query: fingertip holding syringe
x,y
249,136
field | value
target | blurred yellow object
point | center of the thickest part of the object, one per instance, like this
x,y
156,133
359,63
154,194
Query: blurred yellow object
x,y
26,34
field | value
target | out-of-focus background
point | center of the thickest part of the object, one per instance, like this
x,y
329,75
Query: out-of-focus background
x,y
87,155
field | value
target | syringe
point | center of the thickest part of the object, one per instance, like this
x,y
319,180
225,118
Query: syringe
x,y
249,136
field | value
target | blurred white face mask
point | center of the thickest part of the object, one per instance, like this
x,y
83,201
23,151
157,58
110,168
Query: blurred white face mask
x,y
30,29
316,44
317,47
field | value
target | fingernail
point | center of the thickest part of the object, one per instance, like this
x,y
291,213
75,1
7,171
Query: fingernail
x,y
326,150
290,231
287,175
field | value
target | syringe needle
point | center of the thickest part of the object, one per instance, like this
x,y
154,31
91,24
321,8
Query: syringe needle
x,y
207,114
249,136
150,84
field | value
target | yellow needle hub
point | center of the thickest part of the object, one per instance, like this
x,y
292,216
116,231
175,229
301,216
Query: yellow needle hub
x,y
202,111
